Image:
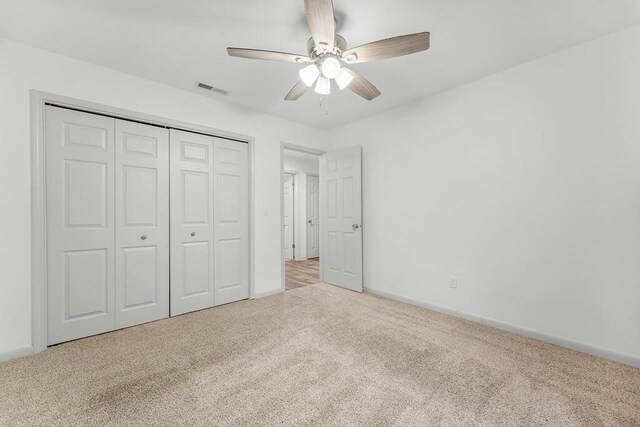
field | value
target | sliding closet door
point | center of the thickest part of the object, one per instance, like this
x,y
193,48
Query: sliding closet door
x,y
132,211
191,222
142,223
231,196
80,224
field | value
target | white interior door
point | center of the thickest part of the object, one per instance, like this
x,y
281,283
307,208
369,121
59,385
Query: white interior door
x,y
231,219
80,224
313,216
287,191
192,268
142,223
341,195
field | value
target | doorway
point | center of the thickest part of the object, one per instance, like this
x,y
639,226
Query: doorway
x,y
300,217
327,215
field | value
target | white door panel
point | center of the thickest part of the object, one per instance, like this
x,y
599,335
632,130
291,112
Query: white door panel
x,y
288,216
341,195
231,230
192,268
142,223
80,224
313,216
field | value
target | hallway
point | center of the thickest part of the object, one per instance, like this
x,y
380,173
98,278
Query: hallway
x,y
301,273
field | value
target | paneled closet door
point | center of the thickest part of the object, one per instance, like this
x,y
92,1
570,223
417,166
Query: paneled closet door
x,y
192,269
80,224
142,223
231,201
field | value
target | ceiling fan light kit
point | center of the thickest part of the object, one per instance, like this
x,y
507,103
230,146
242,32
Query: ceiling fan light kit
x,y
328,54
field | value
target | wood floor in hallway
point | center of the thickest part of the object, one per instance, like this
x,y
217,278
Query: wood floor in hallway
x,y
302,273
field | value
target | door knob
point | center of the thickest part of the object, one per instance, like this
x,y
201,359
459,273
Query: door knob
x,y
356,226
309,221
143,237
193,233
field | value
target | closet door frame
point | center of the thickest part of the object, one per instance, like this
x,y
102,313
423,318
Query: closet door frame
x,y
39,100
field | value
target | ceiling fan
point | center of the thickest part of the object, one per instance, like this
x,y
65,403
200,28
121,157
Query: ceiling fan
x,y
328,52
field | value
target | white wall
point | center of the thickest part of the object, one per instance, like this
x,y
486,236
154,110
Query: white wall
x,y
303,167
526,186
23,68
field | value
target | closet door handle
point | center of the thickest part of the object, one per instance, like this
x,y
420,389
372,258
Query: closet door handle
x,y
193,233
143,237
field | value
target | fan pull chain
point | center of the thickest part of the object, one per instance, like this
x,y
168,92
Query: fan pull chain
x,y
324,102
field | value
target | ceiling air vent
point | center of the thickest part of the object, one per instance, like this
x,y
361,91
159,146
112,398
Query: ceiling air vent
x,y
211,88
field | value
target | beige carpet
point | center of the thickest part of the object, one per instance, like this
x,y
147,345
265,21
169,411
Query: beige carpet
x,y
316,355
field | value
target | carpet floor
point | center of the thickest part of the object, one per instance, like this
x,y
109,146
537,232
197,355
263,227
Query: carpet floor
x,y
317,355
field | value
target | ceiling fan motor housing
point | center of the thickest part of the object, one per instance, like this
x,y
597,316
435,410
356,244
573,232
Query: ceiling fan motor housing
x,y
340,46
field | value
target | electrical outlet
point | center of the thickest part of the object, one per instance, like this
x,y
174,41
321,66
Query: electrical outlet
x,y
453,282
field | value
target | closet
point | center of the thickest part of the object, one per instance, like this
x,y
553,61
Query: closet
x,y
143,222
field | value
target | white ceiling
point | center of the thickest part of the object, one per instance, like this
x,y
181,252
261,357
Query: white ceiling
x,y
181,42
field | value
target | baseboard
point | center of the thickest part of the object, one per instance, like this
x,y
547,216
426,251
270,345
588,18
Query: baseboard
x,y
267,293
15,353
627,359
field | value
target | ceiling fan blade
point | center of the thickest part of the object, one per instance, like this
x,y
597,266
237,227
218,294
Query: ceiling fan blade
x,y
387,48
322,22
267,55
297,91
363,87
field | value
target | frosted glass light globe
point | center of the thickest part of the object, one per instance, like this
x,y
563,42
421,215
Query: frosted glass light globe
x,y
343,78
330,67
323,86
309,74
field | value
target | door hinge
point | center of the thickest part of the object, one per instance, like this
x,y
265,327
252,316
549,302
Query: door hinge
x,y
293,246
